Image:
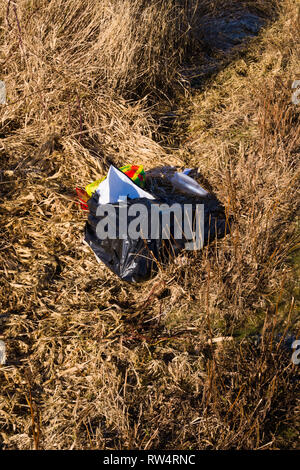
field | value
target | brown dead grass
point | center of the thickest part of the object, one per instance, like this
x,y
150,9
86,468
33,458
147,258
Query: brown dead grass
x,y
94,363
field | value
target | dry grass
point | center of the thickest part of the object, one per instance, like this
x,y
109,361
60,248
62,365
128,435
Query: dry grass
x,y
94,362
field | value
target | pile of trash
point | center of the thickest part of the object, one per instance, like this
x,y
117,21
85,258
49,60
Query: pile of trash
x,y
139,220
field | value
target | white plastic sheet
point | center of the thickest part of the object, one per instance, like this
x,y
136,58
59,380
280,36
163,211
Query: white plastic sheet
x,y
118,186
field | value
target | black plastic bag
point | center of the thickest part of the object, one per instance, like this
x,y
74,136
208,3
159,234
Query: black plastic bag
x,y
138,259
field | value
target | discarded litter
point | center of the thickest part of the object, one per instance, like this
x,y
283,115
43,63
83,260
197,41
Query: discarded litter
x,y
118,184
111,186
136,173
185,183
133,226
